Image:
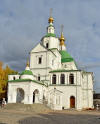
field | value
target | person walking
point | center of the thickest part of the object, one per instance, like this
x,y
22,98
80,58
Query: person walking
x,y
3,102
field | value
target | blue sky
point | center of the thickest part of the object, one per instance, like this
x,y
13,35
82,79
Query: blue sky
x,y
23,23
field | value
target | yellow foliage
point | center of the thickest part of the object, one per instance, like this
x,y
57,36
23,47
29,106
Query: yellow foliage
x,y
4,72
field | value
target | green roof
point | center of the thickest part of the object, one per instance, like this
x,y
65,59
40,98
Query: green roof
x,y
27,72
65,56
63,70
27,80
50,25
20,80
50,35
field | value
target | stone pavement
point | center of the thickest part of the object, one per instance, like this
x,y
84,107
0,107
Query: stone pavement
x,y
21,116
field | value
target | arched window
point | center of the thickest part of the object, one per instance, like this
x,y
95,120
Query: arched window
x,y
71,79
54,79
39,60
14,78
47,45
38,77
62,79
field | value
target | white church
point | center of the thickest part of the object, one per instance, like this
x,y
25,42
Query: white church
x,y
51,77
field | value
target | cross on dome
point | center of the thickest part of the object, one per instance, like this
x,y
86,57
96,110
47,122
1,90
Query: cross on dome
x,y
50,20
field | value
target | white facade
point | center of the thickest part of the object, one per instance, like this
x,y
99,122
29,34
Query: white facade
x,y
52,78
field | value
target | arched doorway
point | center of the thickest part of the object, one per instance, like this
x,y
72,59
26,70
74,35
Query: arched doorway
x,y
20,95
72,102
35,96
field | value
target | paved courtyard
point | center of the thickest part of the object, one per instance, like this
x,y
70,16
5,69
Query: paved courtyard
x,y
44,115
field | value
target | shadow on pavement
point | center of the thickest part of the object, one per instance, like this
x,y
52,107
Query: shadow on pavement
x,y
61,119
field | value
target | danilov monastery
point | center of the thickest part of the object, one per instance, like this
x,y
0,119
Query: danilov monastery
x,y
52,77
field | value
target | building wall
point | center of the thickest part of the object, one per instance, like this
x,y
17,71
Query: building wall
x,y
67,92
82,89
29,88
52,41
13,77
50,60
77,77
69,65
87,87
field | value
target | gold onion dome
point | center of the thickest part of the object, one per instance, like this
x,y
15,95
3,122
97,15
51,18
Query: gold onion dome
x,y
62,39
50,20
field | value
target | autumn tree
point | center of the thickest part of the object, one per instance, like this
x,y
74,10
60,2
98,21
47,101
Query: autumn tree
x,y
4,72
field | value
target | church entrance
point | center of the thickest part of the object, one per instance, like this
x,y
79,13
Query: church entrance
x,y
35,96
72,102
20,95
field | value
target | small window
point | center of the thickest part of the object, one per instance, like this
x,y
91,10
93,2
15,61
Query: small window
x,y
71,79
38,78
54,79
13,78
47,45
62,79
40,60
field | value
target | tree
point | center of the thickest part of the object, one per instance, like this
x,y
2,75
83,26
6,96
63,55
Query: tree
x,y
4,72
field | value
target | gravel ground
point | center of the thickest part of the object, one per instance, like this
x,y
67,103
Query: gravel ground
x,y
39,114
61,118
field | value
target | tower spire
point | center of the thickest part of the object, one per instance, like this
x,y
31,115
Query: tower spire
x,y
50,20
27,64
62,39
50,28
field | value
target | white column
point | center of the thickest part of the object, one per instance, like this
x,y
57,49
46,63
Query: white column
x,y
50,79
57,76
59,79
30,99
65,78
54,100
68,78
36,98
60,100
48,99
25,99
13,97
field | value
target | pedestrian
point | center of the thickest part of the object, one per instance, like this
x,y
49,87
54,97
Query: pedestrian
x,y
3,102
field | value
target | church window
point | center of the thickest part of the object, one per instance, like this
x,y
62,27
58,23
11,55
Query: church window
x,y
50,30
62,79
71,79
40,60
13,78
38,78
54,79
47,45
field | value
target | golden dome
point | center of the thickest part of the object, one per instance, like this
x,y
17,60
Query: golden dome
x,y
62,40
62,43
62,37
50,20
